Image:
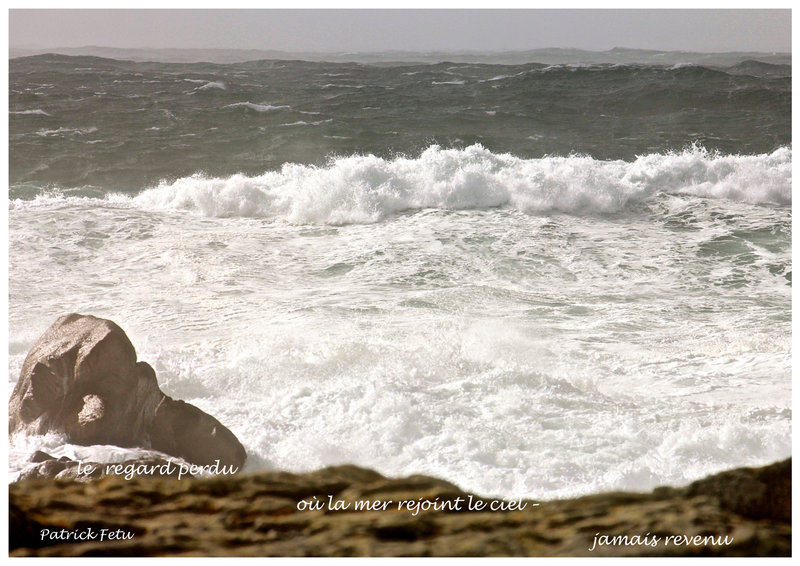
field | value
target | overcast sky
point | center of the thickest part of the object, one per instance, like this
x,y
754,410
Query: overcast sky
x,y
412,30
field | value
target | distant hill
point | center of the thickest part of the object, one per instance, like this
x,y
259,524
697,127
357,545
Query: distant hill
x,y
550,56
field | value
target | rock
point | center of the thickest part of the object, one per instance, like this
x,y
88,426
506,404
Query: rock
x,y
268,514
40,456
183,430
71,472
46,469
67,469
23,529
758,493
81,378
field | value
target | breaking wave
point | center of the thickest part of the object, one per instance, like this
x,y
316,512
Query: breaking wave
x,y
366,189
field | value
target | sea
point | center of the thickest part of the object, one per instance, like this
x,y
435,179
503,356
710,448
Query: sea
x,y
533,280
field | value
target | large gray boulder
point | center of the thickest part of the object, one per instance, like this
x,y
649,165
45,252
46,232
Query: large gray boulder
x,y
81,378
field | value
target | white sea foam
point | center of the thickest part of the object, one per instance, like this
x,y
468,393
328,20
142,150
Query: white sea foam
x,y
304,123
366,189
502,77
514,354
262,107
332,85
62,130
219,85
37,111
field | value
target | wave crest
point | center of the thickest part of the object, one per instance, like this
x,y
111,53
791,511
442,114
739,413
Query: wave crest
x,y
367,189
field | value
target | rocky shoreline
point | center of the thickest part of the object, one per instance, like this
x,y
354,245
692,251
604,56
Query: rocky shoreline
x,y
743,512
81,379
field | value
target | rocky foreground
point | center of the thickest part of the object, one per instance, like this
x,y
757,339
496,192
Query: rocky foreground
x,y
744,512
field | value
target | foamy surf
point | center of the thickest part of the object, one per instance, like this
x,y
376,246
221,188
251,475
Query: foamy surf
x,y
569,307
531,355
365,189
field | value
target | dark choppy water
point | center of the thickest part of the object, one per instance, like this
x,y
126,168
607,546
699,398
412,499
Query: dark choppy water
x,y
83,121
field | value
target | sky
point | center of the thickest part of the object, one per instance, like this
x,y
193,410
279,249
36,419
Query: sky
x,y
358,30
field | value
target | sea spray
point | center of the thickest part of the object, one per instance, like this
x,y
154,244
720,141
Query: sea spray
x,y
366,189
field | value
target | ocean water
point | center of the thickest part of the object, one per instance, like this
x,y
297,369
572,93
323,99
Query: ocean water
x,y
531,280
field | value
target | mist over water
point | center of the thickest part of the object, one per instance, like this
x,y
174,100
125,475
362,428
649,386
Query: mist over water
x,y
533,281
